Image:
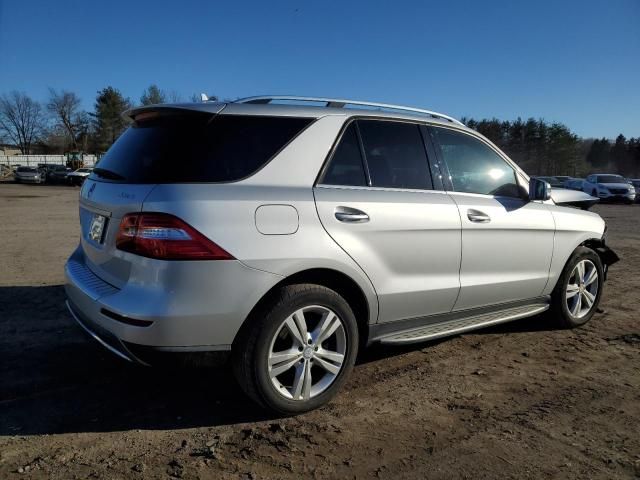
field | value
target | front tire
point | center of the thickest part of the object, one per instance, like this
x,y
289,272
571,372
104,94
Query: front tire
x,y
297,349
577,294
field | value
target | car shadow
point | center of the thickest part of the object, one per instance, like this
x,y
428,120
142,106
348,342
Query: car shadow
x,y
54,379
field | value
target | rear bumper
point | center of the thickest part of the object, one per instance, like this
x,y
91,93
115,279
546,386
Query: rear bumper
x,y
199,314
104,338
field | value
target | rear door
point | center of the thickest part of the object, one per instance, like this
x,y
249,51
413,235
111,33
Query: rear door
x,y
376,198
507,240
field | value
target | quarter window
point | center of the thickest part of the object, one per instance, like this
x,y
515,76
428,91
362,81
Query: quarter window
x,y
474,167
395,154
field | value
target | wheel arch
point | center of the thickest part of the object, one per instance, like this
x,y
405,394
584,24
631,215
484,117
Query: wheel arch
x,y
607,256
598,245
337,281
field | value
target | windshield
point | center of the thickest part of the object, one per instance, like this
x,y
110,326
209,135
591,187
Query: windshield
x,y
610,179
196,147
26,169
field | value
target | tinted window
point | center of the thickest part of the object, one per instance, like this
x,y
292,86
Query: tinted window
x,y
395,154
474,167
196,147
610,179
346,164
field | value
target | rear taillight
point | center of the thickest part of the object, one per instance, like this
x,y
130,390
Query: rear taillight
x,y
165,237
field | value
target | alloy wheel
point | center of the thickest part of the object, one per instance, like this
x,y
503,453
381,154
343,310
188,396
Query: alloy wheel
x,y
307,352
582,288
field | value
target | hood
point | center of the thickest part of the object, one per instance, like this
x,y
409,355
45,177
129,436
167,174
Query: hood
x,y
572,198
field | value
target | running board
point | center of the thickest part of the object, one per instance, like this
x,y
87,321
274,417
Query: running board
x,y
462,325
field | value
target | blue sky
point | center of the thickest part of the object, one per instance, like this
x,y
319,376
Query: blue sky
x,y
577,62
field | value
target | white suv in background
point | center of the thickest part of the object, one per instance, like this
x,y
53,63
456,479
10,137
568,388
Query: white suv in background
x,y
606,186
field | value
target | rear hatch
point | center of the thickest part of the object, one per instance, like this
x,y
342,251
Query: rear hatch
x,y
170,145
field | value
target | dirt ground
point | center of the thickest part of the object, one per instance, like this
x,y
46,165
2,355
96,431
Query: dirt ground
x,y
523,400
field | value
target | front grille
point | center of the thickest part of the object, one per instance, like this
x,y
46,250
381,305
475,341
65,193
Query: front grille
x,y
618,191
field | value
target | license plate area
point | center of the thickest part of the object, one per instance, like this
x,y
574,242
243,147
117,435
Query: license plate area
x,y
97,228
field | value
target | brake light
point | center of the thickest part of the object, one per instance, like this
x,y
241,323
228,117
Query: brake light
x,y
165,237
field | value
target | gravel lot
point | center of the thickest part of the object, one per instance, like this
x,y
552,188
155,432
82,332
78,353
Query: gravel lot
x,y
520,401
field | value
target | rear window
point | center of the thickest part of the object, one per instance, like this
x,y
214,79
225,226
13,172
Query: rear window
x,y
197,147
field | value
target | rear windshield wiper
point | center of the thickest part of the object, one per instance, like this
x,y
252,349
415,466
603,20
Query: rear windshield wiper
x,y
108,174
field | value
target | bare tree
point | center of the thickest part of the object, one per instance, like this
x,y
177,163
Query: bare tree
x,y
21,119
174,96
65,108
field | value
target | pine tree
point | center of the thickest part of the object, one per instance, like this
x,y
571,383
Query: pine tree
x,y
153,95
108,120
599,153
620,156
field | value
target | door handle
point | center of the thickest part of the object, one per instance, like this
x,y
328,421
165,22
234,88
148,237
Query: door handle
x,y
351,215
477,216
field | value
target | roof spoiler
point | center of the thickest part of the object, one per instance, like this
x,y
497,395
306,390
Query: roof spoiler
x,y
208,107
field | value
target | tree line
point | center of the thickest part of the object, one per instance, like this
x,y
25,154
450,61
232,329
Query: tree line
x,y
543,148
59,125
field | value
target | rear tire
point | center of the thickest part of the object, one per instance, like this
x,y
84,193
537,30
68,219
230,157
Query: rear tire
x,y
296,349
576,296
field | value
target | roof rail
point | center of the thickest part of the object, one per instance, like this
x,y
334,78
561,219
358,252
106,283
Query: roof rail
x,y
340,103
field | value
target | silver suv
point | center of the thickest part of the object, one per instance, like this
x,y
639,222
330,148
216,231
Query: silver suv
x,y
287,236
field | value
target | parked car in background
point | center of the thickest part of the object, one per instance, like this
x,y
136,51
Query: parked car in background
x,y
288,237
28,175
553,181
636,184
46,168
562,178
58,174
574,184
79,176
609,187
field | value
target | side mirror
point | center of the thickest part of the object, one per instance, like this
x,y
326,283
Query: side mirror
x,y
539,189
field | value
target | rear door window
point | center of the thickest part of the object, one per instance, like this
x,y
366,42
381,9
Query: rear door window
x,y
395,154
196,147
